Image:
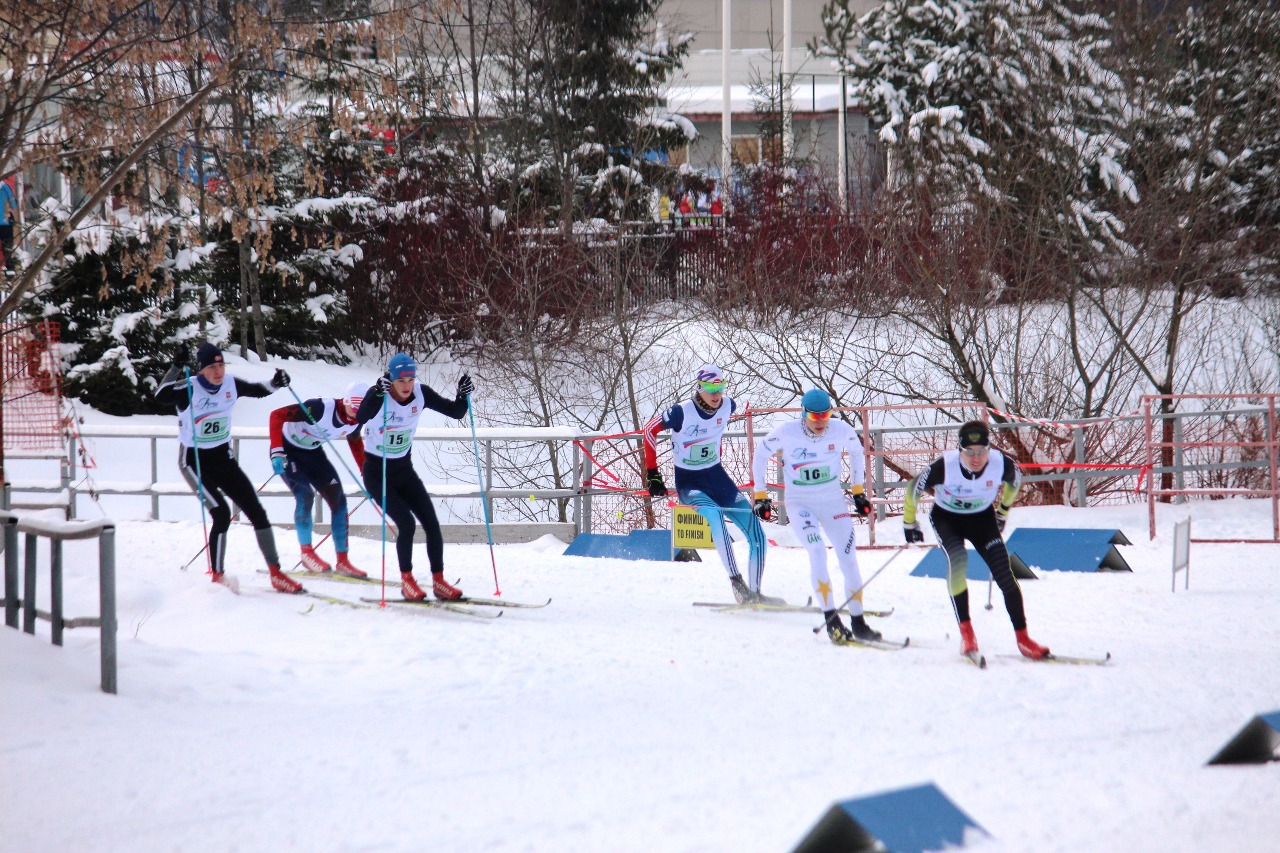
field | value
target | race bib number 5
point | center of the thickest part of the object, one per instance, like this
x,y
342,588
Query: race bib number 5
x,y
698,455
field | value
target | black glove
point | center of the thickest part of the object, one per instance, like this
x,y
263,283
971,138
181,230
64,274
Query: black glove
x,y
764,508
280,380
383,385
181,357
1001,518
465,385
912,532
862,505
657,488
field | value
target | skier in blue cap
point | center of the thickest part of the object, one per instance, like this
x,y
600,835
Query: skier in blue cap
x,y
389,414
812,451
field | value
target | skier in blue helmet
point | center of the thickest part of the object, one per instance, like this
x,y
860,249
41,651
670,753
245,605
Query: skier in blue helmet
x,y
813,452
389,414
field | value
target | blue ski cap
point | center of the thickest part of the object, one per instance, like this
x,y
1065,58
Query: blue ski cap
x,y
710,379
401,366
816,400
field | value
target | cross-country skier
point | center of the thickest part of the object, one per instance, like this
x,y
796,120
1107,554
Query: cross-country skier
x,y
390,414
298,435
812,449
205,432
974,488
696,427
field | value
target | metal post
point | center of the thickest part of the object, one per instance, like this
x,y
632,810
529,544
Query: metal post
x,y
1081,477
107,605
29,586
155,477
55,588
584,525
11,595
488,477
68,468
576,461
1179,457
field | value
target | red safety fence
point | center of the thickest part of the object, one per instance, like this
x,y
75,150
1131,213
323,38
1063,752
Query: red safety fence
x,y
31,381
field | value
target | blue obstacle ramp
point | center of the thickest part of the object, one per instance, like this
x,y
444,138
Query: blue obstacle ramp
x,y
636,545
1069,549
1257,743
910,820
934,565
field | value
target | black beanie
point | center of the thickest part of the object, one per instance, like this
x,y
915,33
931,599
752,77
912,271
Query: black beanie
x,y
975,432
208,354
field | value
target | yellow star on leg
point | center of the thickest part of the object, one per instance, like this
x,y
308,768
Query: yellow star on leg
x,y
824,590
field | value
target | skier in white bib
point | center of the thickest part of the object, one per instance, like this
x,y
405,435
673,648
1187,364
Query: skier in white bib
x,y
389,414
696,428
205,458
974,488
298,436
812,451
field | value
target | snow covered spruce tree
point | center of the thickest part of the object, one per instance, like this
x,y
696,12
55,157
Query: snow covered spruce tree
x,y
577,98
1008,185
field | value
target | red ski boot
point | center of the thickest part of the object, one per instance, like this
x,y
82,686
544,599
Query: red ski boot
x,y
284,583
311,560
968,642
343,567
444,590
1029,647
409,587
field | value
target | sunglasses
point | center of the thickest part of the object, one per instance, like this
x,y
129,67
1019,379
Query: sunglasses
x,y
712,387
818,417
975,450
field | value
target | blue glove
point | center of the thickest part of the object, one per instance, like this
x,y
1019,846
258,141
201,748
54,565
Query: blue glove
x,y
277,464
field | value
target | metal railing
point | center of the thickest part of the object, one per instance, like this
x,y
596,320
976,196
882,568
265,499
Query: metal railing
x,y
595,481
57,532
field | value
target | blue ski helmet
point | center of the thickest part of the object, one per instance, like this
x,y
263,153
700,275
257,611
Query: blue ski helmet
x,y
401,366
816,400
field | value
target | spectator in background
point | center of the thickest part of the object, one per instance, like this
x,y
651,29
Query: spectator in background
x,y
8,215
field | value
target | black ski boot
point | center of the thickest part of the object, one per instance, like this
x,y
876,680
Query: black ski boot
x,y
863,631
836,630
741,593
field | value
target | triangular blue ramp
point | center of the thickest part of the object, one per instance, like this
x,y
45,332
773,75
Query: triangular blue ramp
x,y
1257,743
934,565
636,545
910,820
1074,549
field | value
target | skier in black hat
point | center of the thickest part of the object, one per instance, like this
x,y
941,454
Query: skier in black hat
x,y
974,488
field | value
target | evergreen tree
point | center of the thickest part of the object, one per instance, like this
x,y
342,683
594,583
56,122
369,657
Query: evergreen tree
x,y
579,109
1004,102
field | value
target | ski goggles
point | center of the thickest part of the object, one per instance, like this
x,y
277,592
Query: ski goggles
x,y
712,387
818,417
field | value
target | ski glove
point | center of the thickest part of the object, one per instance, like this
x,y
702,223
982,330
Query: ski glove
x,y
280,380
465,385
383,385
181,356
764,508
1001,517
277,463
862,505
657,487
912,532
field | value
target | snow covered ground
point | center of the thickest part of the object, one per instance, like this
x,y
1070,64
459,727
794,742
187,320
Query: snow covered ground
x,y
622,718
